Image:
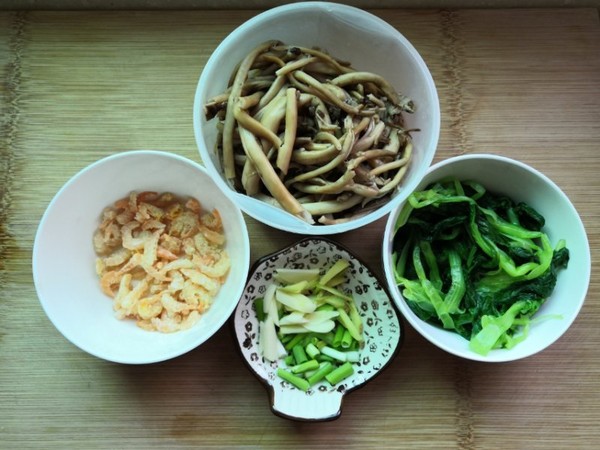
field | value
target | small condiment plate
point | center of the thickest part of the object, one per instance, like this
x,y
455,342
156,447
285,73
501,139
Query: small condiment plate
x,y
382,329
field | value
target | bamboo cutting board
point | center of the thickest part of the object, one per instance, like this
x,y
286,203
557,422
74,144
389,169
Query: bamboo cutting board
x,y
77,86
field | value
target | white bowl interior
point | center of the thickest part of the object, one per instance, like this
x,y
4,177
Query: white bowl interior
x,y
64,258
522,183
347,33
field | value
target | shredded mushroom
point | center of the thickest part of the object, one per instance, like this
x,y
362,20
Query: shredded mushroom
x,y
304,131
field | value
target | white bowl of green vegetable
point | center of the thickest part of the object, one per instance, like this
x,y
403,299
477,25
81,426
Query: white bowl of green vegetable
x,y
488,259
313,324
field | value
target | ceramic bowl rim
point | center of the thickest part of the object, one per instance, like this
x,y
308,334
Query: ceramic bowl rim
x,y
415,323
76,176
330,8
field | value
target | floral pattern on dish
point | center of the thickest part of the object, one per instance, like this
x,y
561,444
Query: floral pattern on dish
x,y
382,328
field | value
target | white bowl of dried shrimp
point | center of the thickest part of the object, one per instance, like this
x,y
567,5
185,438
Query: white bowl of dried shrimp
x,y
318,117
140,257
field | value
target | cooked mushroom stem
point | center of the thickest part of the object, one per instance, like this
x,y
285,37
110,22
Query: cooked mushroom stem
x,y
291,78
256,84
295,65
298,126
328,219
291,123
394,142
247,121
376,100
332,206
364,191
330,96
407,153
394,164
363,175
369,154
270,57
215,104
250,178
328,137
312,145
335,187
368,77
272,91
271,117
348,142
339,93
310,157
369,138
400,173
362,125
250,101
269,177
321,114
395,181
341,68
236,90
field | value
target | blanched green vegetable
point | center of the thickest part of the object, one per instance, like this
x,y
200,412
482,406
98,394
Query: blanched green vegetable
x,y
474,262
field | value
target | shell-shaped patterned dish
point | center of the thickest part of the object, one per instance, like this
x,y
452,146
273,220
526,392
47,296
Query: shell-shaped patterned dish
x,y
382,329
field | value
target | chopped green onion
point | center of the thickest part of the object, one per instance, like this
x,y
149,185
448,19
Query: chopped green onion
x,y
340,373
312,350
293,342
339,335
285,338
324,358
326,339
310,373
297,381
333,353
311,364
347,340
352,356
299,354
324,369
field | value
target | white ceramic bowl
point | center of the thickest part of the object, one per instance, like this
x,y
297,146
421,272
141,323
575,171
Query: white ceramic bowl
x,y
351,34
522,183
382,329
64,258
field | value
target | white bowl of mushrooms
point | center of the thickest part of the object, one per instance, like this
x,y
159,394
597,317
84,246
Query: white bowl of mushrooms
x,y
317,118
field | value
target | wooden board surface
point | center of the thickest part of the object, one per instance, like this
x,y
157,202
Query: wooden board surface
x,y
77,86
